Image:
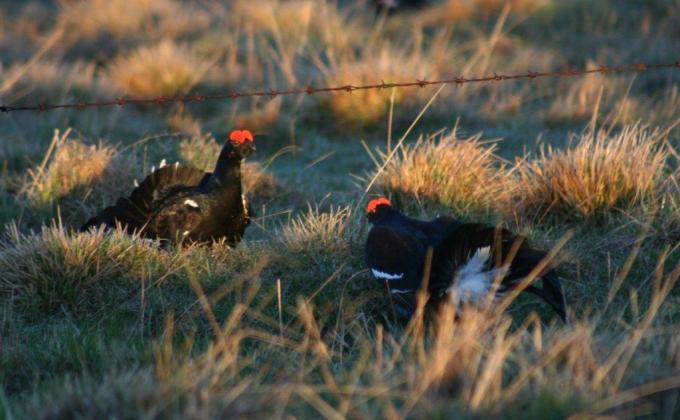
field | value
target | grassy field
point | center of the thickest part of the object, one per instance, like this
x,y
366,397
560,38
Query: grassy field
x,y
290,323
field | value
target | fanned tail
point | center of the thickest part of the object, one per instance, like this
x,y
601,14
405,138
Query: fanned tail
x,y
134,212
460,247
552,292
161,181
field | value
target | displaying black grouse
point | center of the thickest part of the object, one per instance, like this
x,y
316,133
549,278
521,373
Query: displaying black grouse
x,y
184,204
467,258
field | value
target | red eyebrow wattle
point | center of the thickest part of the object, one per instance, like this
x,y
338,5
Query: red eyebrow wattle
x,y
373,204
239,136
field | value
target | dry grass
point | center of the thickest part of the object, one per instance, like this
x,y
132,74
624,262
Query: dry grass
x,y
45,271
375,64
578,100
289,323
68,165
465,10
48,80
314,228
480,366
75,179
285,32
461,174
92,19
166,69
600,173
56,268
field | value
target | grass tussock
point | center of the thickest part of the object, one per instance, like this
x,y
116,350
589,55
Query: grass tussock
x,y
462,174
51,269
598,174
315,229
68,165
83,273
165,69
380,63
95,19
74,179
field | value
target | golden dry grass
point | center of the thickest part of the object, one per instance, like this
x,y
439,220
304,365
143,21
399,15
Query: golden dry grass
x,y
48,80
89,19
600,173
579,99
473,357
460,173
74,179
68,165
316,228
378,63
166,69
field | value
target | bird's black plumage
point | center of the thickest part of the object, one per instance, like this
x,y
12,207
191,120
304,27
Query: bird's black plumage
x,y
180,203
466,259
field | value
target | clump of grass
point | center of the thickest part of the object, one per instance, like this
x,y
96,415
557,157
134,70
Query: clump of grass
x,y
463,174
318,230
74,179
68,165
45,271
375,64
94,271
93,19
203,151
166,69
598,174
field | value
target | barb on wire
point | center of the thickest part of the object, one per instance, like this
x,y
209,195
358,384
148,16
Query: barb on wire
x,y
349,88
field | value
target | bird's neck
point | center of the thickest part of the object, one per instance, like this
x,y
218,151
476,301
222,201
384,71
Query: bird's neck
x,y
385,215
228,168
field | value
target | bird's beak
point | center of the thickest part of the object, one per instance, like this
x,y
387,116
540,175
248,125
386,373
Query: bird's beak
x,y
248,149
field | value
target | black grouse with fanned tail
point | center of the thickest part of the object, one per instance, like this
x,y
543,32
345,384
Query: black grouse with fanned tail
x,y
466,260
183,204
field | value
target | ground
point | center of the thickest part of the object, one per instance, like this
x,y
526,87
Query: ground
x,y
290,323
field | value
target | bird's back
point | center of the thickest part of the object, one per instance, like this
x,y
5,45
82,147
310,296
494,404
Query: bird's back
x,y
135,212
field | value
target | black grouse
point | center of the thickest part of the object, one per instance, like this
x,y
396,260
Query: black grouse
x,y
180,203
466,260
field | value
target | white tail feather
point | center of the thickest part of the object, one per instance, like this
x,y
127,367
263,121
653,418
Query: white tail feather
x,y
471,283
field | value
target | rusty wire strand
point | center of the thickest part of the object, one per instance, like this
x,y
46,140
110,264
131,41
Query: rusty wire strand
x,y
459,80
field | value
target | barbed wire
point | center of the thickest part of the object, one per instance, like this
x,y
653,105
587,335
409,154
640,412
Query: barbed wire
x,y
309,90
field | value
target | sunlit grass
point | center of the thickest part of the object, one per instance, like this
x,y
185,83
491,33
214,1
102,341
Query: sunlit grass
x,y
166,69
599,174
462,174
289,323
